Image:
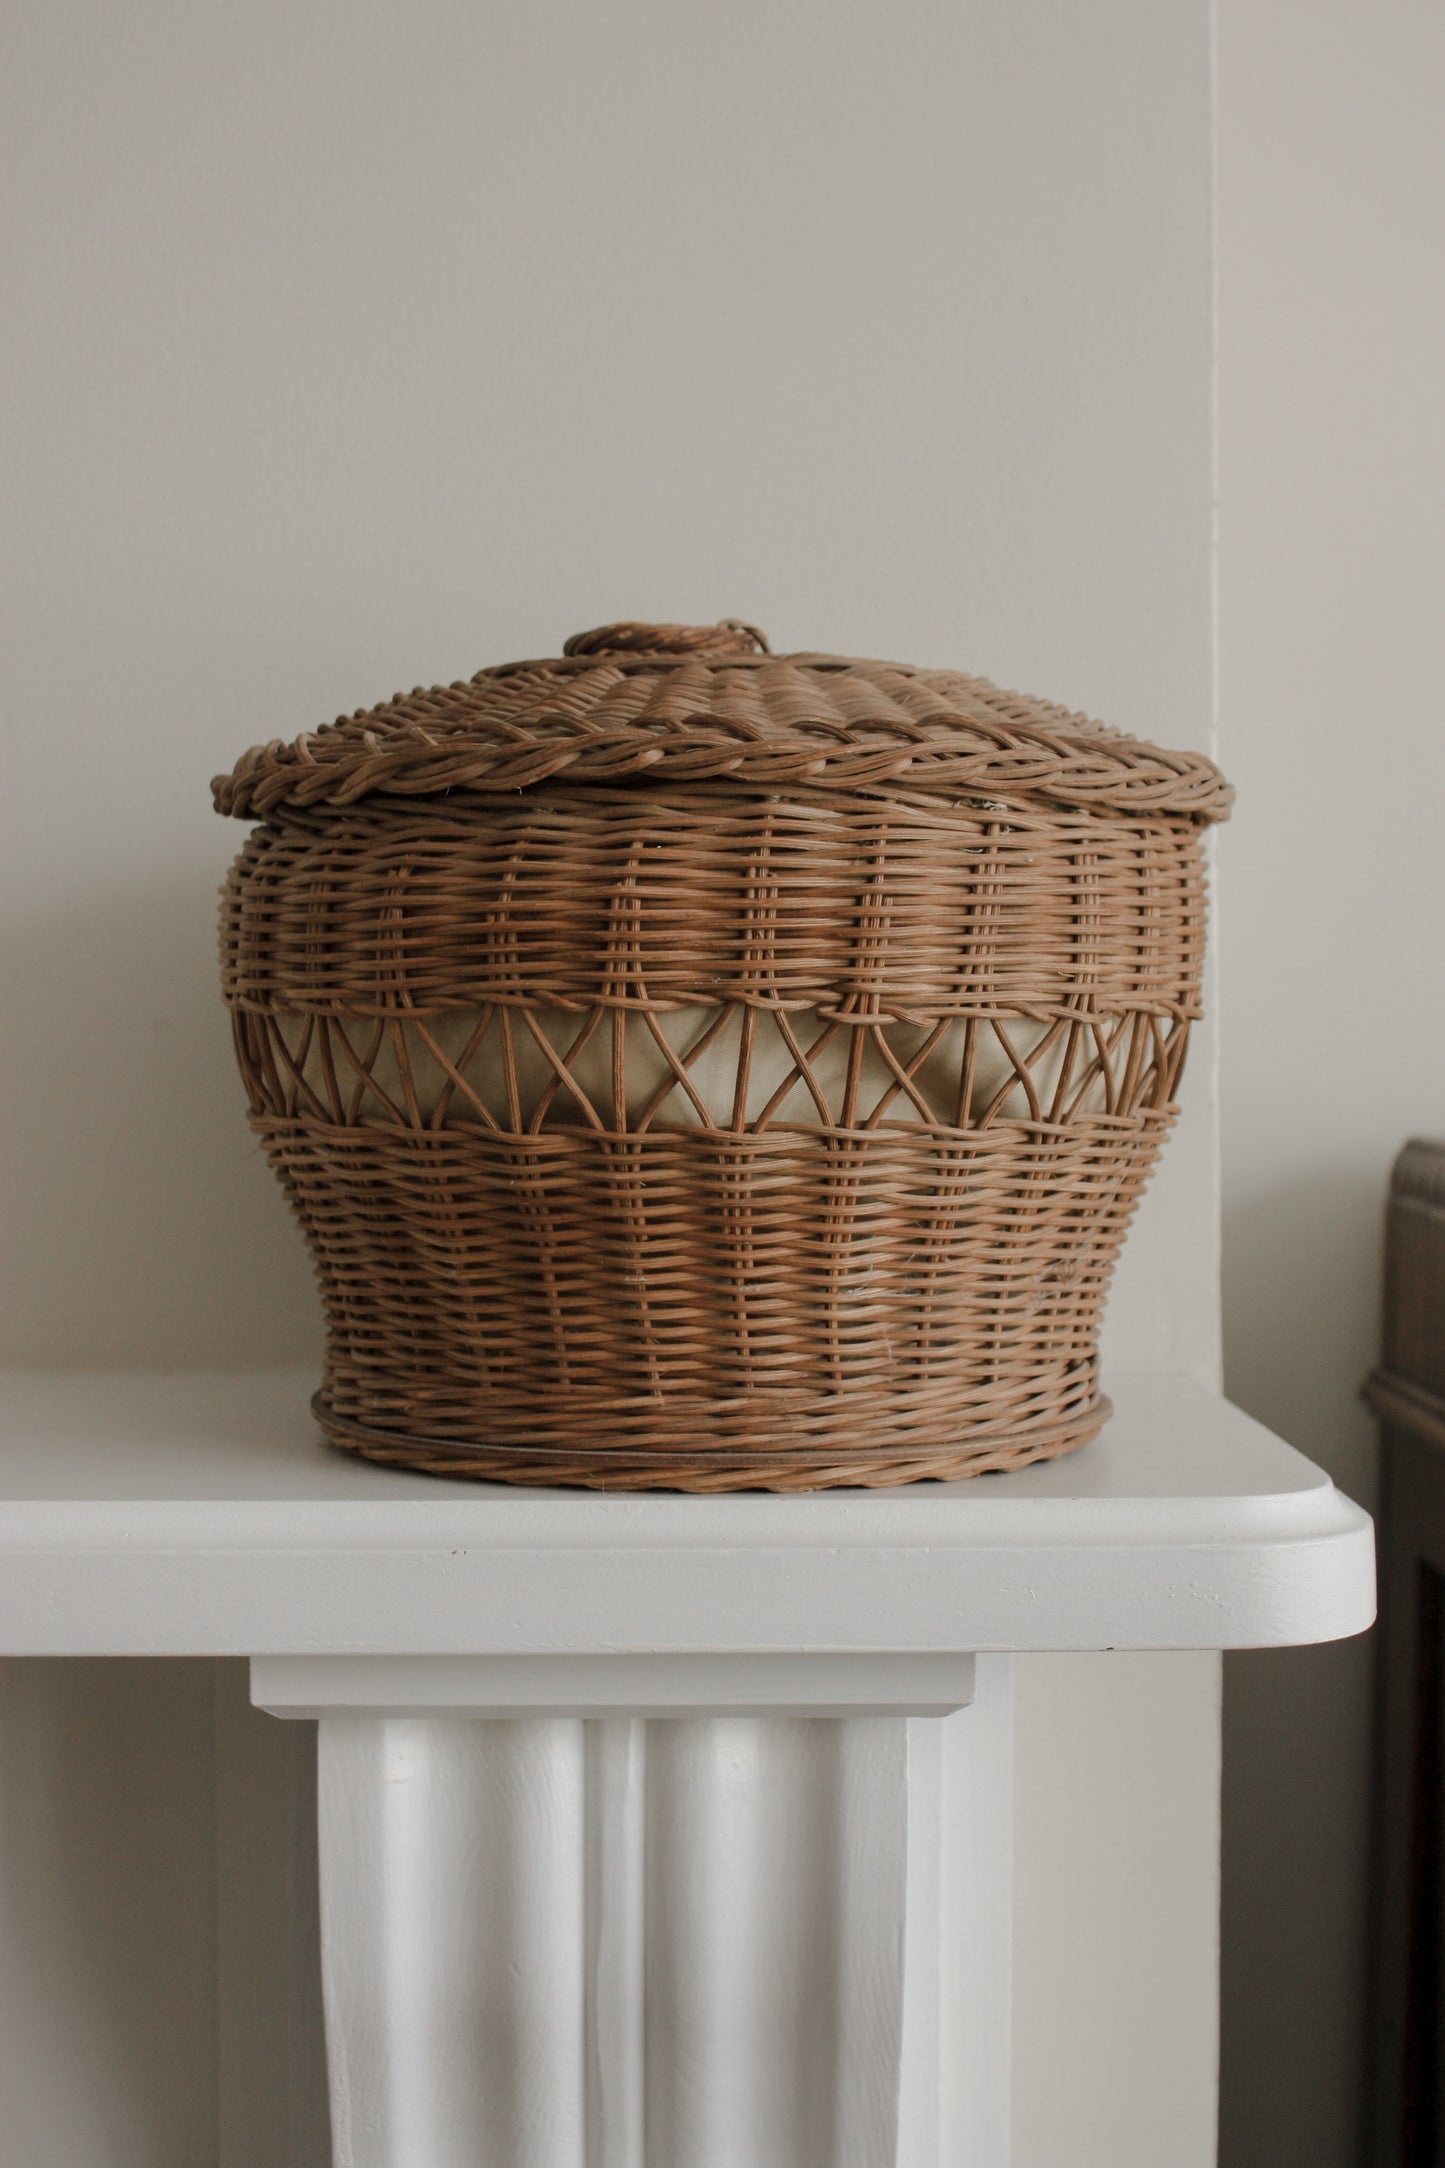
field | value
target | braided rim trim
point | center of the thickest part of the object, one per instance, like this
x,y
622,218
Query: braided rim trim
x,y
307,774
719,1468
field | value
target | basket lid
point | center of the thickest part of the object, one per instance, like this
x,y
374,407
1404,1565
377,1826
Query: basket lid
x,y
691,703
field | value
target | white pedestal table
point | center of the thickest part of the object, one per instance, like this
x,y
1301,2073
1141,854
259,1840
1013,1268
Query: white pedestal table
x,y
655,1831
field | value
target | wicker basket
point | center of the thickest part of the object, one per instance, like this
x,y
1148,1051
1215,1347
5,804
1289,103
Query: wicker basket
x,y
700,1069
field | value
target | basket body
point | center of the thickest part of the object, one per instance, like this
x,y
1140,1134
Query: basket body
x,y
705,1135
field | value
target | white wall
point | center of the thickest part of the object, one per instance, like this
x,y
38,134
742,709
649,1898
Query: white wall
x,y
1332,573
356,346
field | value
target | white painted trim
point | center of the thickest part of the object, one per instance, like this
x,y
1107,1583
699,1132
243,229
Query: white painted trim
x,y
789,1684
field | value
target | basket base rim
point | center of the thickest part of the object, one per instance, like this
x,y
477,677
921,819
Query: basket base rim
x,y
726,1467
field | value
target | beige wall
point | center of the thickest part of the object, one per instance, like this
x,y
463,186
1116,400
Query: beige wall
x,y
357,345
1332,573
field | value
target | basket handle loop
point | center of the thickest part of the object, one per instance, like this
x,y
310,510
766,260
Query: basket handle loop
x,y
730,637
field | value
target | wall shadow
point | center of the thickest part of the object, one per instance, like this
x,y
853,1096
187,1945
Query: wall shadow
x,y
142,1224
1302,1265
107,1917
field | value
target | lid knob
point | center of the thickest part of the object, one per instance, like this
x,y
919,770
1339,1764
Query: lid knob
x,y
731,637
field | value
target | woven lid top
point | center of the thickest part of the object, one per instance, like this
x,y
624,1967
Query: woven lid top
x,y
690,703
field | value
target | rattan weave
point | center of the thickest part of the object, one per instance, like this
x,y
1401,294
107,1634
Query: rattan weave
x,y
700,1069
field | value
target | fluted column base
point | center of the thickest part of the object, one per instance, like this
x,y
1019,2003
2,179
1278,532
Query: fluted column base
x,y
749,1939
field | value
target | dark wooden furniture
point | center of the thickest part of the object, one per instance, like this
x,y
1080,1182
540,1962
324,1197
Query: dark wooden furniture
x,y
1407,2091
